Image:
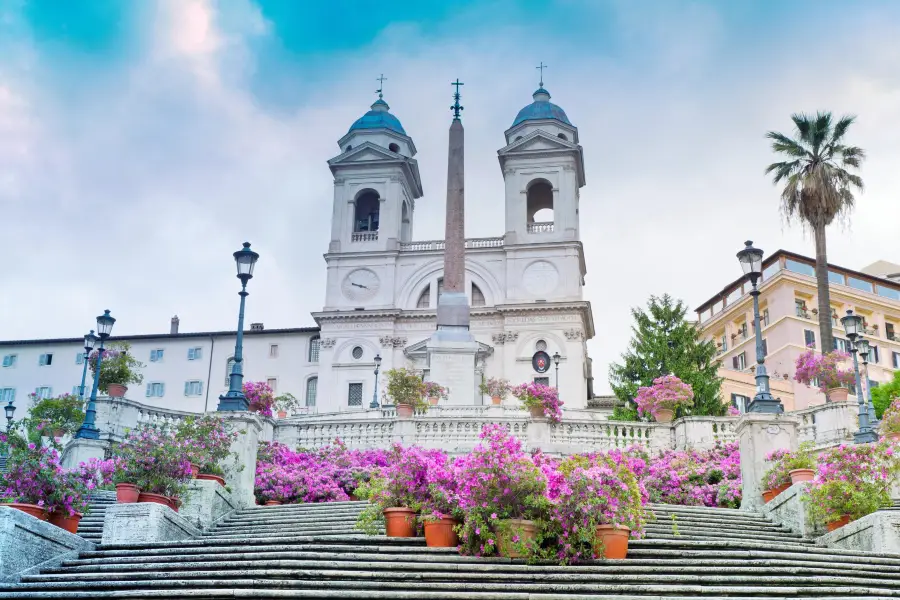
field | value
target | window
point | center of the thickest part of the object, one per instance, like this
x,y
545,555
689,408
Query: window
x,y
195,353
837,278
357,352
312,385
425,298
229,367
799,267
193,388
539,206
735,294
354,394
273,350
394,148
45,360
156,355
477,296
368,205
43,392
739,362
156,390
800,308
76,389
10,360
740,402
874,355
770,271
272,382
841,344
809,338
7,394
887,292
895,359
542,380
765,348
889,331
765,318
540,346
79,358
859,284
723,344
314,343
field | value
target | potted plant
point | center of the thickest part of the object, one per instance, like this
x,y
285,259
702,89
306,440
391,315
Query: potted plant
x,y
158,463
285,404
69,501
406,390
435,392
541,400
823,369
662,399
118,369
890,421
260,396
441,514
207,441
502,494
58,416
800,464
31,477
776,479
496,388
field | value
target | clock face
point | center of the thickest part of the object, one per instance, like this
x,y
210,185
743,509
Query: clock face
x,y
360,284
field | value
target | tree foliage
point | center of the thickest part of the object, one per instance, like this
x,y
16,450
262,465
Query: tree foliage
x,y
665,343
884,394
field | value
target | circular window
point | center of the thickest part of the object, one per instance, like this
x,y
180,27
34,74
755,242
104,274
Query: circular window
x,y
357,352
541,346
394,148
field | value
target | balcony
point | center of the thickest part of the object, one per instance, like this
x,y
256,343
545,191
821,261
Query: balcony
x,y
802,313
364,236
542,227
491,242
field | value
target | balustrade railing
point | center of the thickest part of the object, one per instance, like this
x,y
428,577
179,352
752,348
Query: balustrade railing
x,y
491,242
541,227
364,236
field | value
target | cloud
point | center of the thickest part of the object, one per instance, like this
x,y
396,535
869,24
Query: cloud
x,y
132,192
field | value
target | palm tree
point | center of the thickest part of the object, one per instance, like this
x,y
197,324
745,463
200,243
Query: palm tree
x,y
817,188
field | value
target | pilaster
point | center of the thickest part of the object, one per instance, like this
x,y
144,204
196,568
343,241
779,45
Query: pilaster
x,y
759,434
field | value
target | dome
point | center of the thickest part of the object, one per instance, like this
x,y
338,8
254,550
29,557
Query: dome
x,y
541,108
378,118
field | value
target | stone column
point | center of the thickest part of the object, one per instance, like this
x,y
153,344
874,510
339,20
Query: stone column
x,y
759,434
80,450
241,469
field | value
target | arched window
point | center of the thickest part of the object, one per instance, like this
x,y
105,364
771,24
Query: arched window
x,y
314,349
477,296
440,287
425,298
394,148
229,367
539,206
562,136
366,216
348,149
312,386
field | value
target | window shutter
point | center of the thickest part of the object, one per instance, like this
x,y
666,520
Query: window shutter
x,y
187,388
734,362
199,388
162,389
149,385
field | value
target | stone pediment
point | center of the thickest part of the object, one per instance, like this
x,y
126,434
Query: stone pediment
x,y
420,350
538,140
365,152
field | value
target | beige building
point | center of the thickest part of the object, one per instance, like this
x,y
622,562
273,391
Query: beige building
x,y
790,323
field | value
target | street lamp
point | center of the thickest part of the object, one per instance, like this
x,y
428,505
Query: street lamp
x,y
88,430
234,399
763,402
853,326
862,346
374,403
10,411
556,358
89,341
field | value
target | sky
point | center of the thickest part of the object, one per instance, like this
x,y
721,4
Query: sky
x,y
142,141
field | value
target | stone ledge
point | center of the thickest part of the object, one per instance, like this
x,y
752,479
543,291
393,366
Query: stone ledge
x,y
878,532
206,503
145,522
28,544
789,509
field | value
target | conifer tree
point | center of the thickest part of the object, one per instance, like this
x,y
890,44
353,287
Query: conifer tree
x,y
664,342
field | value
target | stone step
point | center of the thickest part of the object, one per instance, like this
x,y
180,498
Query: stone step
x,y
292,514
711,519
355,540
767,527
306,506
665,533
351,519
350,525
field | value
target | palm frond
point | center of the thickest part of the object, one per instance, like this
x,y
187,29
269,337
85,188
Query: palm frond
x,y
802,122
821,131
841,127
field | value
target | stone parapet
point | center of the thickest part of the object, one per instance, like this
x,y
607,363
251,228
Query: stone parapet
x,y
205,503
28,544
789,509
145,522
878,532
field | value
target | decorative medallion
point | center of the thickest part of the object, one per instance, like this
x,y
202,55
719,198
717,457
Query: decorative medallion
x,y
540,361
540,278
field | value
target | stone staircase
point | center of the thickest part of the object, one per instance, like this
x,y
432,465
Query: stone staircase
x,y
91,525
313,552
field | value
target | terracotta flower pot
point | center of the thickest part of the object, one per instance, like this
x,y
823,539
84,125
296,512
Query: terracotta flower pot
x,y
116,390
273,503
537,412
838,524
400,522
126,493
63,520
513,534
208,477
195,470
433,400
38,512
58,433
768,496
282,414
440,534
780,489
405,411
801,475
496,400
154,498
612,541
837,394
173,502
664,415
894,436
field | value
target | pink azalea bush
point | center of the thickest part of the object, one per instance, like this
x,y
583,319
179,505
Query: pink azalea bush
x,y
260,396
667,392
495,387
207,441
544,397
32,473
824,369
696,478
154,460
435,390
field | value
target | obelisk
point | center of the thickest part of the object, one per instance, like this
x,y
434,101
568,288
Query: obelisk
x,y
452,349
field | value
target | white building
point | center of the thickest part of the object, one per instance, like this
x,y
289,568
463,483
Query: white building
x,y
525,286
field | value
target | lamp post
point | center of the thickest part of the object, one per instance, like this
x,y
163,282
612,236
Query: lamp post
x,y
852,326
763,402
556,358
374,403
10,409
234,399
88,430
862,346
89,341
